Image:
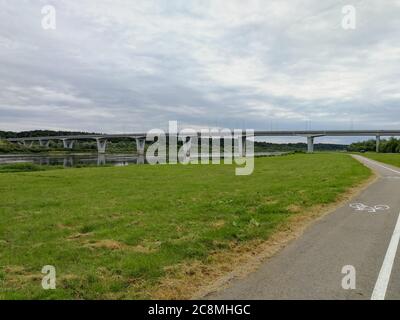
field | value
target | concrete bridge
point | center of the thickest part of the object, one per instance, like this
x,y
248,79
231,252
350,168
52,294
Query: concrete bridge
x,y
101,139
68,141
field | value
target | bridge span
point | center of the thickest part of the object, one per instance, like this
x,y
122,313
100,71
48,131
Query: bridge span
x,y
101,139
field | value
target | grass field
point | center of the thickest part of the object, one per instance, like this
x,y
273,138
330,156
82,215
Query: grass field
x,y
389,158
113,232
25,167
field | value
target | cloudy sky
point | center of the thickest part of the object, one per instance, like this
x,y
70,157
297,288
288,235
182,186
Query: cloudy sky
x,y
123,66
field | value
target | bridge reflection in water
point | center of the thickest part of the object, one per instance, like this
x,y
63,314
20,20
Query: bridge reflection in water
x,y
75,160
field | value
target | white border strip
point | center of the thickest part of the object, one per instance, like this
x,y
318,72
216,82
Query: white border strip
x,y
384,274
378,164
386,269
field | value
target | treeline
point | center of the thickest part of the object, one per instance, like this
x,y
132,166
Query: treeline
x,y
268,146
6,147
57,146
39,133
391,145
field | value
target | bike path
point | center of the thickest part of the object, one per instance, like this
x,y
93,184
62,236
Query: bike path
x,y
363,233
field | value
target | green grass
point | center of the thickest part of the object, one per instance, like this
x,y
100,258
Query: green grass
x,y
25,167
111,232
389,158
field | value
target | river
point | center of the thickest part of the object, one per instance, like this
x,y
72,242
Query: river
x,y
82,159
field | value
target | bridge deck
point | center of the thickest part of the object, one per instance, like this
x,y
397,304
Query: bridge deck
x,y
257,133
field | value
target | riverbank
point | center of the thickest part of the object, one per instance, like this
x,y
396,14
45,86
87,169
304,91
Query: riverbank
x,y
128,232
69,160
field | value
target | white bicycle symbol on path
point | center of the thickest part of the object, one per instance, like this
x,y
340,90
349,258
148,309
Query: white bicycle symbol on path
x,y
371,209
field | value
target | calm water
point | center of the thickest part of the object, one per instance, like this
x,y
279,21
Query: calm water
x,y
72,160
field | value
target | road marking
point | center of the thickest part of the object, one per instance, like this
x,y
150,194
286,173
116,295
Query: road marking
x,y
386,269
372,209
378,164
384,274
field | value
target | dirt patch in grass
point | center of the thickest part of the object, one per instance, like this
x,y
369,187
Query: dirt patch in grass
x,y
63,226
116,245
218,224
19,275
78,236
143,249
198,279
293,208
269,200
106,244
14,269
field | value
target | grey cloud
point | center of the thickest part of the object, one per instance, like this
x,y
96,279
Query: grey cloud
x,y
120,66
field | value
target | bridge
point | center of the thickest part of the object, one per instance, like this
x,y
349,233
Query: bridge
x,y
101,139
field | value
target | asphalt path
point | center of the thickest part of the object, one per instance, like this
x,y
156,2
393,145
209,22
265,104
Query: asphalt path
x,y
349,254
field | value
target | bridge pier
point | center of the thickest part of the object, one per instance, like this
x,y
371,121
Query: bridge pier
x,y
243,147
101,159
378,142
188,146
310,144
140,143
68,162
140,159
101,145
68,144
44,143
27,144
45,161
239,145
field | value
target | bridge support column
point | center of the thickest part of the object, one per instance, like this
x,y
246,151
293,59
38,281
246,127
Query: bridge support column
x,y
140,143
68,144
188,146
378,142
101,145
101,159
44,143
27,143
243,147
45,161
310,144
68,162
140,159
239,145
